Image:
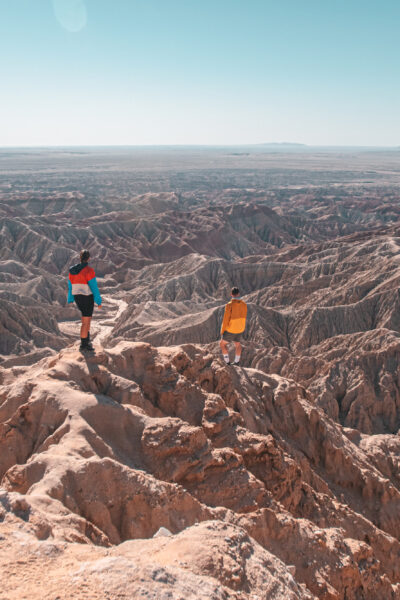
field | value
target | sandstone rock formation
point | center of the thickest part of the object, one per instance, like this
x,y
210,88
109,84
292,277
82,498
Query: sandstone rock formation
x,y
209,561
153,470
114,446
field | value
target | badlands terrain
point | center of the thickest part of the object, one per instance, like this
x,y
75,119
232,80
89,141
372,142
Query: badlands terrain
x,y
151,469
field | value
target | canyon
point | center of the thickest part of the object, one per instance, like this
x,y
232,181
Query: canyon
x,y
150,468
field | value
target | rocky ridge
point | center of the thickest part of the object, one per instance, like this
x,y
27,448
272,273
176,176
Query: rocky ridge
x,y
110,448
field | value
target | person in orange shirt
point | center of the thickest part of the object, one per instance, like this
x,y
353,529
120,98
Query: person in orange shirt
x,y
233,325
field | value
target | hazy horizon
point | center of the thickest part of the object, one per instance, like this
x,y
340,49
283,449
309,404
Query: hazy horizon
x,y
278,145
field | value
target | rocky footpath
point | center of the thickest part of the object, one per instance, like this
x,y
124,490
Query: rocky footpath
x,y
261,490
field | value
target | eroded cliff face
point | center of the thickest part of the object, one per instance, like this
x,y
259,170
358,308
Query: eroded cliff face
x,y
260,488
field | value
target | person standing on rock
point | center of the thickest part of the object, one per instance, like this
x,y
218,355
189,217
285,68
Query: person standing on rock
x,y
83,289
233,325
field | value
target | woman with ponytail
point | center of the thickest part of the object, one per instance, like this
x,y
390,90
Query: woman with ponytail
x,y
83,289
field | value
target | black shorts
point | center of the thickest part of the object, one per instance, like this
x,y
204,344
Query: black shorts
x,y
231,337
85,304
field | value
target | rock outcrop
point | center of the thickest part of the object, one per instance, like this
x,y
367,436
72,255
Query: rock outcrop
x,y
113,447
209,561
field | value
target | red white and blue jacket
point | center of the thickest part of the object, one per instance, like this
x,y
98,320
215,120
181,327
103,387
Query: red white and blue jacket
x,y
82,281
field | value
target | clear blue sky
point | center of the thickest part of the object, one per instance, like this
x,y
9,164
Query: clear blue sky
x,y
199,72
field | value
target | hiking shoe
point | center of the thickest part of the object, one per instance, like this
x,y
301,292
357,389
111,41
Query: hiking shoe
x,y
86,347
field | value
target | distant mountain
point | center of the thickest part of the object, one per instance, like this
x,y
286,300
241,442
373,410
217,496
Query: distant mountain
x,y
281,144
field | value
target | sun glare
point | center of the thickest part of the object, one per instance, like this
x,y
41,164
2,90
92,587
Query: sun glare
x,y
71,14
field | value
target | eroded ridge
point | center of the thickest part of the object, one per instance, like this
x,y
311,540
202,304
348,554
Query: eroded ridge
x,y
107,449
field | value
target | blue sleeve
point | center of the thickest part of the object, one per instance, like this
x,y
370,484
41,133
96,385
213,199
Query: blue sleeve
x,y
70,296
95,290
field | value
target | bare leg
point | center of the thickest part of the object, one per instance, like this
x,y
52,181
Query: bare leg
x,y
225,350
85,327
238,348
224,346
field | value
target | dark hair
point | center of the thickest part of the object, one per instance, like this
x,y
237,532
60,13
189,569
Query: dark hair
x,y
84,256
235,291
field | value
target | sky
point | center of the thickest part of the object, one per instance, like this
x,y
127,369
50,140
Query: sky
x,y
213,72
